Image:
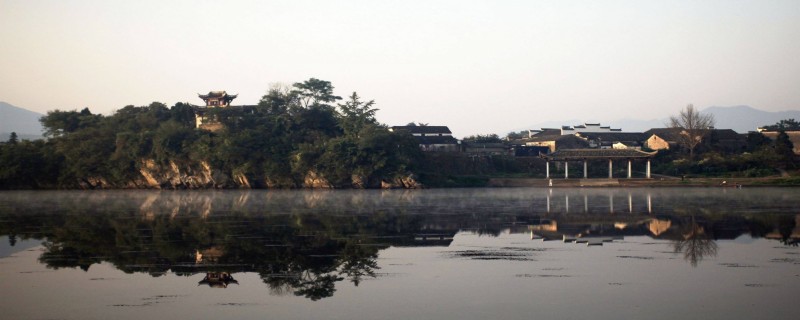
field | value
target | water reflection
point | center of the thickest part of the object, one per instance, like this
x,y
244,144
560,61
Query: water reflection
x,y
694,243
305,242
218,280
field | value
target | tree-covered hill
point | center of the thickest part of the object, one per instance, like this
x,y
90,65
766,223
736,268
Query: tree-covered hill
x,y
303,136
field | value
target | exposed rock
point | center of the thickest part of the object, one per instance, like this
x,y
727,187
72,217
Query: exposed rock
x,y
182,176
358,181
241,180
314,180
408,181
200,175
388,185
94,183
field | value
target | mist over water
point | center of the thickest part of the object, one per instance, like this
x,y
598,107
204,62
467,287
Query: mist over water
x,y
393,254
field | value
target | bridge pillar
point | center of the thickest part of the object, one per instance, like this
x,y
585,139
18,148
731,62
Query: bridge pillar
x,y
610,169
566,169
585,173
629,168
648,168
547,170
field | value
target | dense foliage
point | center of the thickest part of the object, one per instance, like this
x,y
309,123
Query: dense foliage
x,y
277,143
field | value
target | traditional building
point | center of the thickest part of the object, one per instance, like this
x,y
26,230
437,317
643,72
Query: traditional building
x,y
721,140
587,128
214,99
217,98
662,138
613,140
431,138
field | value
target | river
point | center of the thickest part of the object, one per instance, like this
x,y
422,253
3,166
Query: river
x,y
496,253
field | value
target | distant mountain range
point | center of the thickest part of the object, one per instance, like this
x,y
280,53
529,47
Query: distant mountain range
x,y
739,118
15,119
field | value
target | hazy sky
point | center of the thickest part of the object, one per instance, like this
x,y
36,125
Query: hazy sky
x,y
477,66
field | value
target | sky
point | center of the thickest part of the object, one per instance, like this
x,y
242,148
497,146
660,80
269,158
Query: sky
x,y
476,66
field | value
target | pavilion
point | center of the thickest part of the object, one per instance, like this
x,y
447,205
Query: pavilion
x,y
567,155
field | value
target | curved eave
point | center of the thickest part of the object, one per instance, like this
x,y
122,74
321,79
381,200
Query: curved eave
x,y
583,154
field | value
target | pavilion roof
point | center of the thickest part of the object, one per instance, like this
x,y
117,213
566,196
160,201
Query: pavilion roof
x,y
580,154
217,94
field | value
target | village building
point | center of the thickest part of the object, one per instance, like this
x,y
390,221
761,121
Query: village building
x,y
613,140
558,142
662,138
725,141
721,140
586,136
431,138
587,128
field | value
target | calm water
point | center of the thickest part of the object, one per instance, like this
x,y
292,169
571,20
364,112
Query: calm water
x,y
527,253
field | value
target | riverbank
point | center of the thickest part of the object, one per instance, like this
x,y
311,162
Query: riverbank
x,y
639,182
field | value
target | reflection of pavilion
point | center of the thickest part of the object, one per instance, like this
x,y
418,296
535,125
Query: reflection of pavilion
x,y
218,279
209,258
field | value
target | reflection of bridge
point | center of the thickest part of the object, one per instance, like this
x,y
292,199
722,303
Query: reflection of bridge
x,y
553,201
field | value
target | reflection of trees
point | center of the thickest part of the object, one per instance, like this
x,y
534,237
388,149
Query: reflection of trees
x,y
358,263
695,244
302,254
786,229
304,243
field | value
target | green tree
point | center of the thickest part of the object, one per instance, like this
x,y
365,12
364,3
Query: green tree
x,y
756,140
785,150
314,91
785,124
355,115
57,123
183,113
483,138
13,139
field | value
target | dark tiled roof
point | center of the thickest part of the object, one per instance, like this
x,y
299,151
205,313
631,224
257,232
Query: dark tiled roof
x,y
423,129
546,135
668,134
671,134
727,134
571,142
615,136
217,94
575,154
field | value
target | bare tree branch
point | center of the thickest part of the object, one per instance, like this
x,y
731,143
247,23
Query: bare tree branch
x,y
693,125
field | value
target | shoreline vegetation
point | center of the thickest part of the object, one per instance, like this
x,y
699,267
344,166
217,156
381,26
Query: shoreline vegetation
x,y
304,136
